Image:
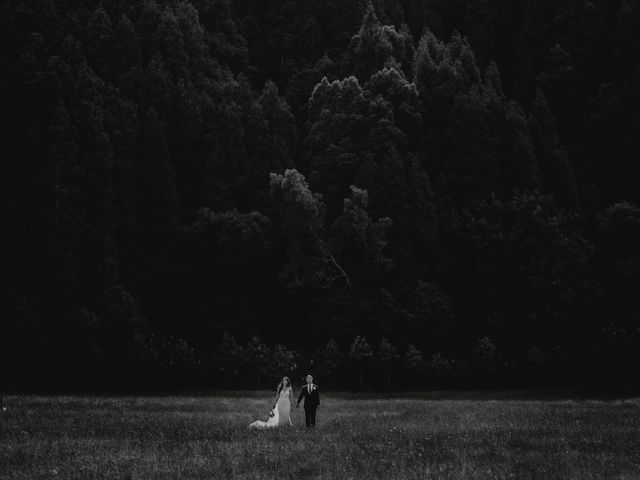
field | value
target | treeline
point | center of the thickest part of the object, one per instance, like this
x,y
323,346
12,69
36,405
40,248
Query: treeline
x,y
357,365
453,178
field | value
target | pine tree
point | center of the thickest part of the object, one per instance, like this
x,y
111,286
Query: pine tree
x,y
376,46
618,258
562,85
393,86
487,355
492,81
388,358
283,361
159,201
126,49
309,258
100,41
256,358
543,257
228,359
557,175
360,352
332,363
489,144
413,360
278,115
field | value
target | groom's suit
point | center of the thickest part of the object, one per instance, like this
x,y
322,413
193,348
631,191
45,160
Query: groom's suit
x,y
311,396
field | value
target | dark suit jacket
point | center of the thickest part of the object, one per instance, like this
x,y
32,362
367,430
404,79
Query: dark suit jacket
x,y
311,400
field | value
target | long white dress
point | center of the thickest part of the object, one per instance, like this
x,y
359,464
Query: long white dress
x,y
281,412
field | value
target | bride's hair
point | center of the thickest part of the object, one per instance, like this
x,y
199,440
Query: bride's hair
x,y
281,384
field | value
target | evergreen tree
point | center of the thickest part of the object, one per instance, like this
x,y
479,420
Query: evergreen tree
x,y
618,261
279,119
376,46
487,355
228,359
332,363
414,363
562,87
160,199
361,354
403,96
360,241
489,144
126,49
557,175
310,260
283,360
388,358
256,359
542,279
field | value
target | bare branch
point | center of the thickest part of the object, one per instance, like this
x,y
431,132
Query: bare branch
x,y
342,273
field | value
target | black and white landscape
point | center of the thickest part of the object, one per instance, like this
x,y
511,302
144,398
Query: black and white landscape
x,y
433,207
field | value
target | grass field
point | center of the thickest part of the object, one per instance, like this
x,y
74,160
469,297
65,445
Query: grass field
x,y
206,437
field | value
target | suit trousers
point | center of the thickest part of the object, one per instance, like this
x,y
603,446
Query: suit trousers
x,y
310,416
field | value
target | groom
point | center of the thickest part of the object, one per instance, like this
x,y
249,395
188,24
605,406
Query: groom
x,y
311,396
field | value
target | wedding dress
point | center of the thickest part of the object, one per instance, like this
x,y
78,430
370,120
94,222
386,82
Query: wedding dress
x,y
281,412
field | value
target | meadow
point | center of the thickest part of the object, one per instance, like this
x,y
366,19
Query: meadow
x,y
430,436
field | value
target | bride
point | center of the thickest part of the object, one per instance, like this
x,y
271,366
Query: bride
x,y
280,414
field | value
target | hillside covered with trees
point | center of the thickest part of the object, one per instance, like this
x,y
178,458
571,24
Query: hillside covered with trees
x,y
397,193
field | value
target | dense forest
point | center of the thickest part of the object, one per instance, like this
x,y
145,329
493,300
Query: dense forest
x,y
399,193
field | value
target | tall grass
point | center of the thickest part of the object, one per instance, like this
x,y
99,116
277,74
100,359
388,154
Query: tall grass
x,y
207,438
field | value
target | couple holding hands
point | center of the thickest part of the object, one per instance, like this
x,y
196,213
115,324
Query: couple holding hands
x,y
281,412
